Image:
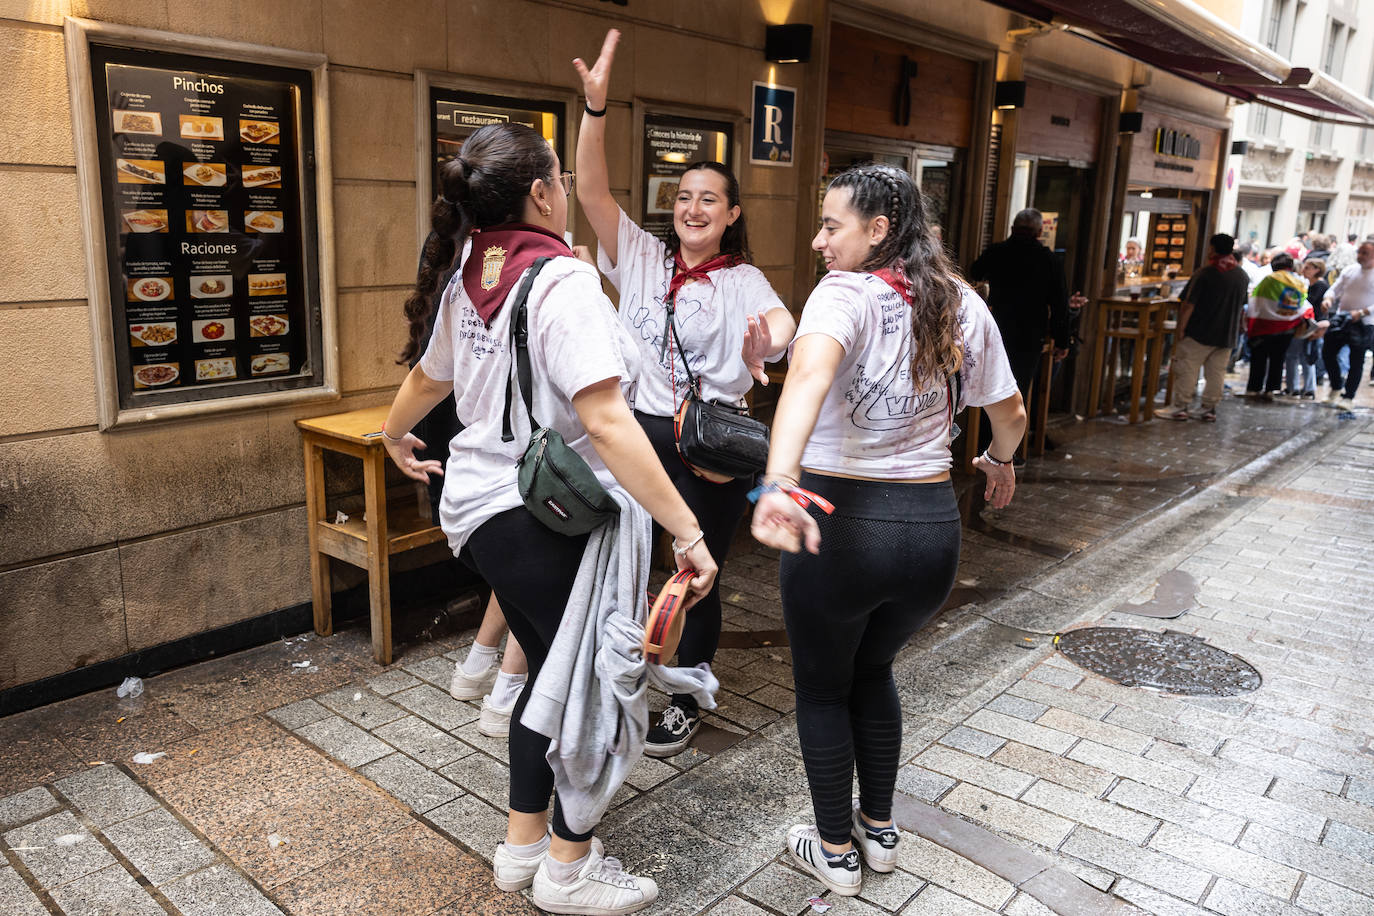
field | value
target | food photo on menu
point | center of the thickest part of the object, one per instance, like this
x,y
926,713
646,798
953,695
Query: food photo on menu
x,y
212,286
153,334
269,364
266,284
207,220
213,330
150,289
201,127
140,171
145,220
266,132
156,375
267,176
216,369
137,122
268,325
205,174
264,221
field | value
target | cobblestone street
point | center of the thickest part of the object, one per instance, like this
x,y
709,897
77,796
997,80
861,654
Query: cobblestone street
x,y
302,778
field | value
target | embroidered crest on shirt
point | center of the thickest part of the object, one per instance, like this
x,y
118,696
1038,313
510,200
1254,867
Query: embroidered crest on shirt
x,y
493,259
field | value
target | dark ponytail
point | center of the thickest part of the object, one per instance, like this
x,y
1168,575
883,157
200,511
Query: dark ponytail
x,y
911,247
736,238
484,185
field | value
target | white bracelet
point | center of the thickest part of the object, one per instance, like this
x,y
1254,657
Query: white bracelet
x,y
389,438
987,456
682,551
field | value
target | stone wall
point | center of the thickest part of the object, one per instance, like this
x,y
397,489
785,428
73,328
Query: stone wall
x,y
112,542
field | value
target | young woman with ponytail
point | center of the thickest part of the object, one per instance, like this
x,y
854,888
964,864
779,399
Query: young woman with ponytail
x,y
729,321
891,343
504,191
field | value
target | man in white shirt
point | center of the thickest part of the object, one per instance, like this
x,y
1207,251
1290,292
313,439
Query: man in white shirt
x,y
1353,296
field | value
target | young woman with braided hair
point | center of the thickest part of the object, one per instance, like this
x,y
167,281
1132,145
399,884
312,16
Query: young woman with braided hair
x,y
728,320
891,343
505,191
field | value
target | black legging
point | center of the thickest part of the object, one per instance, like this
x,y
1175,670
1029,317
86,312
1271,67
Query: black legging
x,y
888,559
531,569
1266,362
718,508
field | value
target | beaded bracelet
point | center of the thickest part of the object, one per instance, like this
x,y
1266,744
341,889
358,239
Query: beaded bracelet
x,y
987,456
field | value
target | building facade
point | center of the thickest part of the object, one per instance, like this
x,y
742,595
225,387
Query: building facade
x,y
1297,174
142,512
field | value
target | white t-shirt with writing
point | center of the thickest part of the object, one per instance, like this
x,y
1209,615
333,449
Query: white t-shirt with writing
x,y
575,341
712,318
874,422
1354,290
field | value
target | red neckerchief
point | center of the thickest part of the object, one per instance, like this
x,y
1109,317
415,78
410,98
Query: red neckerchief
x,y
682,273
1223,262
897,279
499,256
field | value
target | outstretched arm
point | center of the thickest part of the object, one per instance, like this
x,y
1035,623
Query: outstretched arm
x,y
593,181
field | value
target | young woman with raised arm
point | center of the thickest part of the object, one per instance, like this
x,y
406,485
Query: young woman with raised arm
x,y
891,343
728,321
505,190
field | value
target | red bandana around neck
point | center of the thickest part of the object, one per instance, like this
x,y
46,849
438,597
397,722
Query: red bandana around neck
x,y
1223,262
897,279
682,273
499,256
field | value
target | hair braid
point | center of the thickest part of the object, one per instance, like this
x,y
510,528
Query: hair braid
x,y
912,248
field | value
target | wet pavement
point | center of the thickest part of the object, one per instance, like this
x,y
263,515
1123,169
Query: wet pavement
x,y
302,778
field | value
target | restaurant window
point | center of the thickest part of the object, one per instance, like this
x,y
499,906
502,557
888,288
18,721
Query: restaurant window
x,y
937,171
455,107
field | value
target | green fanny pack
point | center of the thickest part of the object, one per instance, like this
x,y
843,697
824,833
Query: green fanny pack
x,y
555,482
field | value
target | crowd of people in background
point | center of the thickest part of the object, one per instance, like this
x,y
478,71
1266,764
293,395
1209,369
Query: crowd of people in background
x,y
1297,316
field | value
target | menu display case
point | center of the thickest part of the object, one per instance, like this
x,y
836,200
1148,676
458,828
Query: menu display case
x,y
200,178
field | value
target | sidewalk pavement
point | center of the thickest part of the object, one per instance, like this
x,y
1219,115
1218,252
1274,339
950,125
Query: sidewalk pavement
x,y
302,778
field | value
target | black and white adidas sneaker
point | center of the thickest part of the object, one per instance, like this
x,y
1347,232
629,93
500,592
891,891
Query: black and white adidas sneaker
x,y
879,846
842,875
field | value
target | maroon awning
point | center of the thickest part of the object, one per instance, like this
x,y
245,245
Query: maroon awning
x,y
1182,38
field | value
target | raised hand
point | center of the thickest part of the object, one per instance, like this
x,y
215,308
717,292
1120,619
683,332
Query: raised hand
x,y
758,341
596,81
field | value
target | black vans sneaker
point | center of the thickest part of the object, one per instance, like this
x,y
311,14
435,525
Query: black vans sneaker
x,y
674,731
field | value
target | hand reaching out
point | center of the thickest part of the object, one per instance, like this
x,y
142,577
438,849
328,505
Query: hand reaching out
x,y
596,81
758,341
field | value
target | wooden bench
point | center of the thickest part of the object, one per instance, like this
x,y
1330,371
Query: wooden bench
x,y
368,542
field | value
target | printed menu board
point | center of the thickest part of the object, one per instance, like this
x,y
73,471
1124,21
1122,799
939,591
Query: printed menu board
x,y
208,198
456,115
671,144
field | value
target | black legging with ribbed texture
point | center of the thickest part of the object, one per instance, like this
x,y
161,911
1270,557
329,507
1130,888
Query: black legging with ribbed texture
x,y
887,563
531,568
718,508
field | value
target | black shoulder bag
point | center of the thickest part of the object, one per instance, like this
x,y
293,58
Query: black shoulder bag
x,y
555,482
719,442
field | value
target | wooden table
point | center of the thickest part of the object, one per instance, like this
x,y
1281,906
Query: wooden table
x,y
1142,322
367,542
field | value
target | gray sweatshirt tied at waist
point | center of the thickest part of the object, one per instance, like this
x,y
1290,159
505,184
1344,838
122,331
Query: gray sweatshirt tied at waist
x,y
591,696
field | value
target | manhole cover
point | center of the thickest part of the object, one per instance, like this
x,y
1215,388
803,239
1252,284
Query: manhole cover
x,y
1170,661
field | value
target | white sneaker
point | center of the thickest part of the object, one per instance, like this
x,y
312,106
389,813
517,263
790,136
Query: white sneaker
x,y
879,847
842,875
1334,397
514,873
602,888
494,722
469,687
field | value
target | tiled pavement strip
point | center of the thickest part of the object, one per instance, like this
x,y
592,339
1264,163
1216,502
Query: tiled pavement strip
x,y
342,787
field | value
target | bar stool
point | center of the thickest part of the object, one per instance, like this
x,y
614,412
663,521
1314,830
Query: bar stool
x,y
1141,322
1168,327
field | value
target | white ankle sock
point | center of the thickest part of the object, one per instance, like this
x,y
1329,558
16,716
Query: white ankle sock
x,y
530,851
479,659
564,873
507,689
